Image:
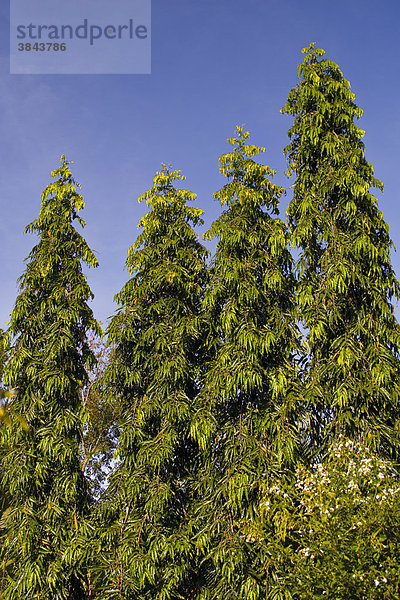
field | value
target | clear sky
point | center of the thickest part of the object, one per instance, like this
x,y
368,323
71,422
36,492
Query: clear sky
x,y
215,64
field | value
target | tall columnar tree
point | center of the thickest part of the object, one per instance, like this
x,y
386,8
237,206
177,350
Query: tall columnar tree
x,y
245,417
346,281
141,548
49,351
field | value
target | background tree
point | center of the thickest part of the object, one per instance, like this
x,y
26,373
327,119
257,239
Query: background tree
x,y
346,281
102,421
246,419
141,541
49,352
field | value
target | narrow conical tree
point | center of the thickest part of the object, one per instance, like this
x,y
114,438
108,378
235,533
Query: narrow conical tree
x,y
245,414
49,351
346,281
142,550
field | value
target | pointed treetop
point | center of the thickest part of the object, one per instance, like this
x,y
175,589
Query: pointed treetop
x,y
158,196
169,208
53,277
312,51
322,87
60,200
248,186
232,164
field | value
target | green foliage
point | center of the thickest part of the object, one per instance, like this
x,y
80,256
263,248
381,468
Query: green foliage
x,y
346,281
246,406
142,546
46,368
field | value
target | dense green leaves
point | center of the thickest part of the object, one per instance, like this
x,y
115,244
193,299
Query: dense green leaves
x,y
49,352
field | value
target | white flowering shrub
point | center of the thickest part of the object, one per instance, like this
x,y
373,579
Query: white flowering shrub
x,y
346,540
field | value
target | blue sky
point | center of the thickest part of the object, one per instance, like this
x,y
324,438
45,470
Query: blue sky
x,y
215,64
